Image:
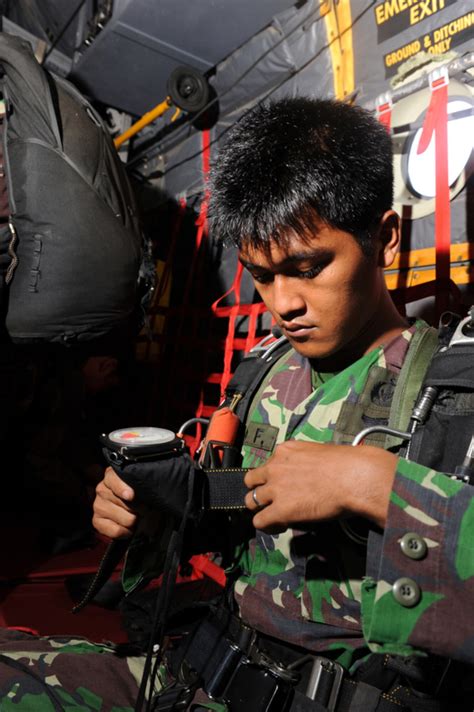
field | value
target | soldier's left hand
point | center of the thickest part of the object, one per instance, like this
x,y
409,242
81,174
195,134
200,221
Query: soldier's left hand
x,y
307,482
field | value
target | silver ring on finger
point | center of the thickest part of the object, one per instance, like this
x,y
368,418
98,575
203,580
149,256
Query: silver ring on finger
x,y
255,498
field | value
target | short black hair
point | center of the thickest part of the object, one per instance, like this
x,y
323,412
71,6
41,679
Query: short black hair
x,y
289,162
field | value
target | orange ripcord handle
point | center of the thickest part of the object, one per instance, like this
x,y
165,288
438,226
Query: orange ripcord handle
x,y
222,430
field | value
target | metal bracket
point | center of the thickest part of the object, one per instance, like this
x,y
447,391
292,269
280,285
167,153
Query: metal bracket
x,y
383,103
460,337
438,78
264,350
320,666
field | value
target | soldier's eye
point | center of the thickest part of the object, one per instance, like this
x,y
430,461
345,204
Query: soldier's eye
x,y
310,273
262,277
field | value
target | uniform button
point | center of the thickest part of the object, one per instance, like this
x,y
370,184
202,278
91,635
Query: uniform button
x,y
406,592
413,546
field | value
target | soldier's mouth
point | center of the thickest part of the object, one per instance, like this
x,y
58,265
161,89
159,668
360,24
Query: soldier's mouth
x,y
297,331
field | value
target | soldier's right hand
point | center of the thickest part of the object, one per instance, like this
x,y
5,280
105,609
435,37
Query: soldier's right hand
x,y
114,515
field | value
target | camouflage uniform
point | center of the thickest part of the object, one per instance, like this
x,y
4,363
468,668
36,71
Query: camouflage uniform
x,y
441,511
322,590
63,673
337,595
306,588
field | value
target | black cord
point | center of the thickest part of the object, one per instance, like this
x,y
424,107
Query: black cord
x,y
64,29
163,599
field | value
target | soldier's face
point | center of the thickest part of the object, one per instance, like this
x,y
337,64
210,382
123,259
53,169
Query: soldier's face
x,y
322,291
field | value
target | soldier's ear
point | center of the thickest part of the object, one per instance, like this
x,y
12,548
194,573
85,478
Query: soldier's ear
x,y
388,238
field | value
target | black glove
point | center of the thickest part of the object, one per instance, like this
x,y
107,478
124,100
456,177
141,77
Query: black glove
x,y
165,484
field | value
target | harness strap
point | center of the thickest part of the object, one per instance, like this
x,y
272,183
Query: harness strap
x,y
250,377
229,664
353,697
226,488
366,698
422,347
228,492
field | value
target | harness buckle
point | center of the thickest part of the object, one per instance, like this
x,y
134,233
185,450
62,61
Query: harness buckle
x,y
178,698
325,682
464,333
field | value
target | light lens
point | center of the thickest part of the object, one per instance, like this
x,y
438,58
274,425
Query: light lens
x,y
421,168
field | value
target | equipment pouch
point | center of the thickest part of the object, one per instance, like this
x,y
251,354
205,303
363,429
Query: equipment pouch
x,y
158,472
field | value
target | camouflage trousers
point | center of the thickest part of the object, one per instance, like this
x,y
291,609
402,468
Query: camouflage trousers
x,y
56,674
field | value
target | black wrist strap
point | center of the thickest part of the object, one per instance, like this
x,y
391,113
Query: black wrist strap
x,y
225,488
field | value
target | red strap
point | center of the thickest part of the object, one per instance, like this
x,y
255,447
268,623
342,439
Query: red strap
x,y
234,287
252,328
201,222
24,629
204,566
436,124
253,311
206,153
234,311
384,110
384,113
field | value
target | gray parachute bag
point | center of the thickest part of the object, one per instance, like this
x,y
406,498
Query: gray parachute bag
x,y
73,217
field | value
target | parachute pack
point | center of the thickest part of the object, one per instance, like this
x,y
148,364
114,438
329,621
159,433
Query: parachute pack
x,y
71,229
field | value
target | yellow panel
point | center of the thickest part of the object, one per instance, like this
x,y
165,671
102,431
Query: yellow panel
x,y
460,252
332,31
464,274
344,20
337,17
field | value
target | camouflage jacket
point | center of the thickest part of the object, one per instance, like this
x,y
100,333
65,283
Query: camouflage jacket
x,y
305,587
328,593
333,593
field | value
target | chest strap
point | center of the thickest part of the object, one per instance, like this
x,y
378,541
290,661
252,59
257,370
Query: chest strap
x,y
422,347
225,486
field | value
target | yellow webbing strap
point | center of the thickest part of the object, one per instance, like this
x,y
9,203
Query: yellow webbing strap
x,y
338,20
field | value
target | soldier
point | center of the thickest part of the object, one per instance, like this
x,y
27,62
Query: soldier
x,y
356,556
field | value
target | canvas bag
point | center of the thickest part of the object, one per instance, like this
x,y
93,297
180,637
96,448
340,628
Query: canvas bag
x,y
74,224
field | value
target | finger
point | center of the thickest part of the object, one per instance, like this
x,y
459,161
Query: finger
x,y
105,494
111,529
118,487
257,498
255,477
267,520
105,509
